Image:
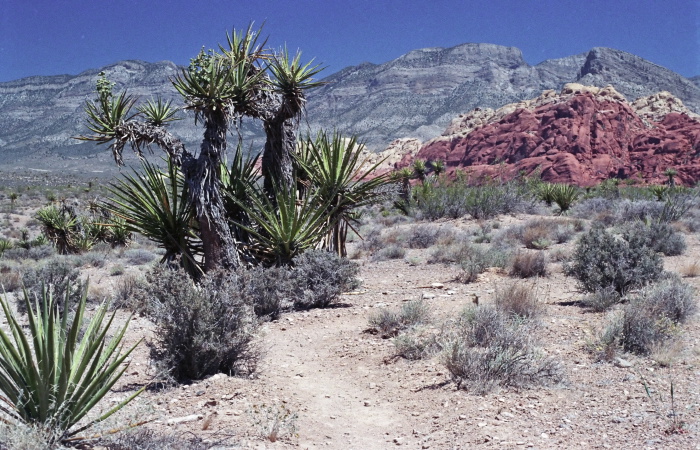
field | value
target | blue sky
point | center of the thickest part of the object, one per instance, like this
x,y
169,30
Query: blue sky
x,y
50,37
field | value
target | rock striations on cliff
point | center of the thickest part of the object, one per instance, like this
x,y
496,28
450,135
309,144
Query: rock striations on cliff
x,y
582,135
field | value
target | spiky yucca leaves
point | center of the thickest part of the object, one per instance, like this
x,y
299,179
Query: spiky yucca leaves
x,y
55,372
284,227
565,195
59,226
420,169
342,180
291,78
155,203
158,112
237,182
438,166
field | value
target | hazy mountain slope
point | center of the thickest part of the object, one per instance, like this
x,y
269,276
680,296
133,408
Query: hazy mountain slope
x,y
415,95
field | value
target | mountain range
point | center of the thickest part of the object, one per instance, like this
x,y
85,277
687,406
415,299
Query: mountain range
x,y
415,95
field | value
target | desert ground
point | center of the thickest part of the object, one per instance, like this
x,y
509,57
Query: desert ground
x,y
328,380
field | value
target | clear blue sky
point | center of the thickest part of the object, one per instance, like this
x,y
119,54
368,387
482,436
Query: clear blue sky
x,y
50,37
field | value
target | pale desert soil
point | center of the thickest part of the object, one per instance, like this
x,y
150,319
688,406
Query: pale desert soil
x,y
349,393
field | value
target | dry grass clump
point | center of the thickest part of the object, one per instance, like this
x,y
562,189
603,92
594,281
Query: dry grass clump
x,y
518,299
691,270
428,234
392,251
145,439
528,264
602,299
390,322
489,348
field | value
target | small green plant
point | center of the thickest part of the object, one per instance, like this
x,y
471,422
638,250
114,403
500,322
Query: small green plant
x,y
53,374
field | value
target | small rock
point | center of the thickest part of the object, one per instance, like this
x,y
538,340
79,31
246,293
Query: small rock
x,y
437,285
367,403
199,393
462,417
544,436
481,424
190,418
398,441
450,292
427,296
619,362
372,385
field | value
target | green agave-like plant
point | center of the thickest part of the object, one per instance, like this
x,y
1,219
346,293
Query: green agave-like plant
x,y
59,226
55,373
237,183
565,195
545,192
291,77
284,226
155,203
341,179
158,112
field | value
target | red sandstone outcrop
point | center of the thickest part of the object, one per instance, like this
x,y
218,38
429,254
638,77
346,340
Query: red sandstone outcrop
x,y
583,135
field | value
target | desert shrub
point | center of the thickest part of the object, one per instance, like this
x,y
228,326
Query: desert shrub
x,y
116,270
423,236
601,260
34,252
139,256
527,264
659,236
126,294
602,299
10,278
439,197
476,260
691,270
392,251
92,259
269,290
391,322
58,275
489,348
518,299
320,277
652,316
415,344
371,238
565,195
201,329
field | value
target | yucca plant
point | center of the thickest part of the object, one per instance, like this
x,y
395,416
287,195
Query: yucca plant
x,y
420,169
5,244
342,180
59,226
659,191
155,203
56,371
564,195
438,166
545,192
283,227
237,183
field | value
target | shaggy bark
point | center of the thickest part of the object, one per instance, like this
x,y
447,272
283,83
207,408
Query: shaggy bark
x,y
278,159
201,175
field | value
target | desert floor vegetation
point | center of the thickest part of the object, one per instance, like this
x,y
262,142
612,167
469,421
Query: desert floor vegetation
x,y
511,329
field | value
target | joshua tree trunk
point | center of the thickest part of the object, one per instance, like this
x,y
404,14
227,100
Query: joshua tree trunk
x,y
204,178
277,159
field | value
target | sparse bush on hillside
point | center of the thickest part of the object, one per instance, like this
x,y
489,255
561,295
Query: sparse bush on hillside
x,y
392,251
486,349
527,264
269,290
319,277
424,235
659,236
601,260
201,329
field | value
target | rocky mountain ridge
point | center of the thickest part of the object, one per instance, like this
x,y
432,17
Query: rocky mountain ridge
x,y
581,135
413,96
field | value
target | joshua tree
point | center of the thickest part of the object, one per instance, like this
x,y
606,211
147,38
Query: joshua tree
x,y
438,166
241,79
420,169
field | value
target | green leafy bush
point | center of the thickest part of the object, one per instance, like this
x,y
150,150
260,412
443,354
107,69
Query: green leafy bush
x,y
601,260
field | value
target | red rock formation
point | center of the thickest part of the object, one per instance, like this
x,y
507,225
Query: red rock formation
x,y
583,136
